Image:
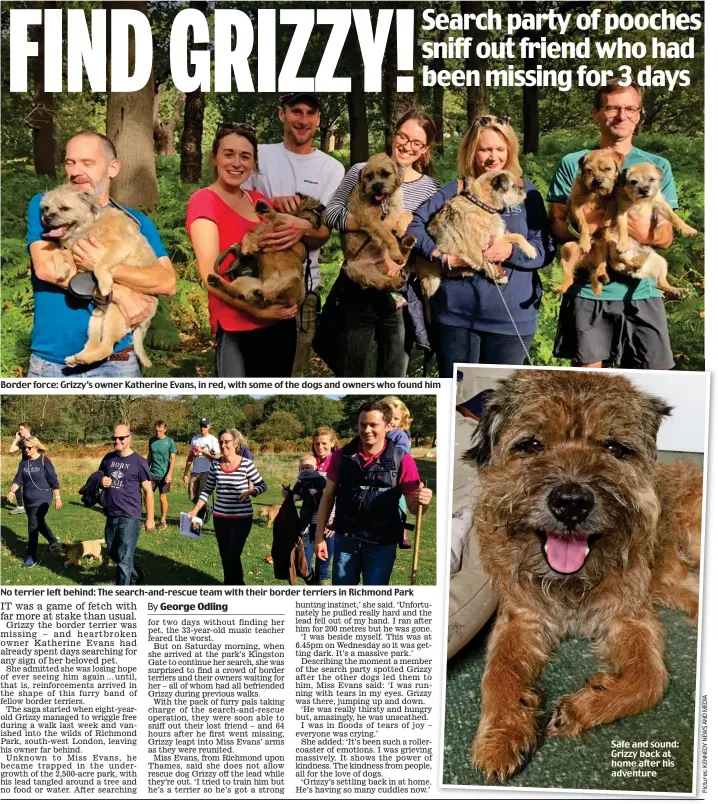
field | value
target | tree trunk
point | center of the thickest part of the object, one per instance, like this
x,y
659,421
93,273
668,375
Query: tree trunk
x,y
191,147
164,133
129,126
42,121
358,125
478,98
437,106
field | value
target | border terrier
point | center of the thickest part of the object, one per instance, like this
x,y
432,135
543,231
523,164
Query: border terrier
x,y
277,277
91,550
581,530
270,511
592,190
467,223
377,206
638,192
69,216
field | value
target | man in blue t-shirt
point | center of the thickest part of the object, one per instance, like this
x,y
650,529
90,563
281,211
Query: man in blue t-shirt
x,y
126,478
626,324
61,319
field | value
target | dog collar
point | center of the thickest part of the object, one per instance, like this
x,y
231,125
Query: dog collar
x,y
481,204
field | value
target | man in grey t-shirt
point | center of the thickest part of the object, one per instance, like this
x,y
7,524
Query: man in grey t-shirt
x,y
203,449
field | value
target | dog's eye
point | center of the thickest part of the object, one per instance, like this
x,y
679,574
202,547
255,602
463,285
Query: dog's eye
x,y
529,446
384,173
370,176
617,449
64,209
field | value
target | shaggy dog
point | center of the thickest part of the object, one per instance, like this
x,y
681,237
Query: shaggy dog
x,y
467,223
267,278
581,531
638,192
69,216
270,511
591,190
377,206
91,550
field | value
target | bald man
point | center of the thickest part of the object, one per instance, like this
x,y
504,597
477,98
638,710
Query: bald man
x,y
126,477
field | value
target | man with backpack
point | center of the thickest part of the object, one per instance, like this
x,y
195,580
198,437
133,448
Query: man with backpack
x,y
367,478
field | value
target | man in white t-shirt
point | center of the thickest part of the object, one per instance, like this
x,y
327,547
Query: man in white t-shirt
x,y
285,169
203,449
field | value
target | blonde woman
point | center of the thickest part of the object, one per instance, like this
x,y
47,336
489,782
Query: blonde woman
x,y
474,323
37,477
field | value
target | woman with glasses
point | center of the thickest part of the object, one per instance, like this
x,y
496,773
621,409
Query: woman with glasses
x,y
477,321
363,315
251,341
236,481
37,477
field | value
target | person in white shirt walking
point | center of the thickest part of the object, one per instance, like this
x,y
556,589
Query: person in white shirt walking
x,y
203,449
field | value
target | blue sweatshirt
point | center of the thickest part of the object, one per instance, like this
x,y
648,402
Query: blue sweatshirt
x,y
37,478
474,302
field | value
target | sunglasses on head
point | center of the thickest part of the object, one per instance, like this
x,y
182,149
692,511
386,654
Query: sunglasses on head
x,y
238,127
492,120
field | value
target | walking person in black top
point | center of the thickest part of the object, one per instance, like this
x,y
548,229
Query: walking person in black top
x,y
37,477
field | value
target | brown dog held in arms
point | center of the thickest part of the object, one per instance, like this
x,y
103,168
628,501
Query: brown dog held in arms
x,y
70,216
638,192
466,224
581,530
592,190
377,206
280,277
91,550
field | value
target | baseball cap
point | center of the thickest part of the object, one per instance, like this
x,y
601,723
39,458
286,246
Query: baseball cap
x,y
204,422
290,98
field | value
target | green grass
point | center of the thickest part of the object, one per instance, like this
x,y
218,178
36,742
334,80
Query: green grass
x,y
167,557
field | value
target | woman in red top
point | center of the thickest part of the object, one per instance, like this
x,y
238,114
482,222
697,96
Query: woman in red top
x,y
251,341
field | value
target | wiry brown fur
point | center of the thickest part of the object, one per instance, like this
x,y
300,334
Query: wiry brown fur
x,y
638,192
125,245
381,224
281,273
645,519
91,550
463,229
270,511
591,190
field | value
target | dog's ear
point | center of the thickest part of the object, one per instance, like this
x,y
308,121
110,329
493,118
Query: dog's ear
x,y
483,438
400,170
618,158
262,207
660,173
91,202
501,183
656,409
582,162
621,180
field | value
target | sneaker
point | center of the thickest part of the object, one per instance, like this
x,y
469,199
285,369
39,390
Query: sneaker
x,y
29,562
162,525
19,509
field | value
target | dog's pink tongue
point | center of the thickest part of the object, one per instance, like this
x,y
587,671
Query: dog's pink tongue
x,y
54,233
566,554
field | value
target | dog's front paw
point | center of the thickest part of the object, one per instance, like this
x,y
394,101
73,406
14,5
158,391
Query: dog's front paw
x,y
72,361
584,243
499,751
214,281
580,711
531,253
689,231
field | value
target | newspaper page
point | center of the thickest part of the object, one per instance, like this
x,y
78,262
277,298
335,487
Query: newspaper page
x,y
343,448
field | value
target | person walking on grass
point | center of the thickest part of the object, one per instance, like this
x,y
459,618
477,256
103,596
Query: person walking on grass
x,y
203,449
366,478
24,430
126,479
37,477
161,457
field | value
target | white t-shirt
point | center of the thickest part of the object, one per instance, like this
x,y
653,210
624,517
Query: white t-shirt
x,y
285,173
202,463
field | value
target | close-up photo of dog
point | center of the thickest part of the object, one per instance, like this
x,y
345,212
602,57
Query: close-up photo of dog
x,y
468,222
581,532
274,277
377,208
69,216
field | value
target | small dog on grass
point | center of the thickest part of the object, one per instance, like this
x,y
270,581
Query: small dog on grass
x,y
468,222
275,277
270,511
90,550
69,216
582,531
377,206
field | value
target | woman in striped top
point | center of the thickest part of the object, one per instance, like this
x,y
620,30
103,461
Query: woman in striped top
x,y
236,480
394,320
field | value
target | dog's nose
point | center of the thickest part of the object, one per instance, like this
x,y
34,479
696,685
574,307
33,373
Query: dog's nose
x,y
644,191
571,503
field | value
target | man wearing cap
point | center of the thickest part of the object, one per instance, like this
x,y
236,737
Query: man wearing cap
x,y
203,449
126,479
287,168
62,315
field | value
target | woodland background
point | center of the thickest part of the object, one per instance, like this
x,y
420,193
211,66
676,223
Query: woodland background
x,y
167,163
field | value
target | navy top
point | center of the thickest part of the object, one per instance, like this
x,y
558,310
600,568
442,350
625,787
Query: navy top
x,y
474,302
37,478
124,497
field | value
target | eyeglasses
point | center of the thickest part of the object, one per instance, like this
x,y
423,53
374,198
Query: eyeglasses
x,y
629,111
491,120
403,140
119,438
238,127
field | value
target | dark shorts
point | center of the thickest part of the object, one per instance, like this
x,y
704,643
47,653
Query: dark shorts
x,y
628,334
158,483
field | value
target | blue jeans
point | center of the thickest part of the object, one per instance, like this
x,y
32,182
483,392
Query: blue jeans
x,y
108,368
322,564
353,560
122,535
459,345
